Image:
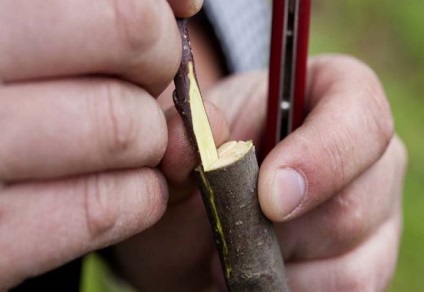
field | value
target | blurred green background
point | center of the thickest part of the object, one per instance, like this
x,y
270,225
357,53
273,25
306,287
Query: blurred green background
x,y
389,36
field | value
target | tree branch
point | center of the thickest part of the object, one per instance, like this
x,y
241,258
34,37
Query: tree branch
x,y
227,177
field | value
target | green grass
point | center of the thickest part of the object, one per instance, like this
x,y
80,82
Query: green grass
x,y
388,35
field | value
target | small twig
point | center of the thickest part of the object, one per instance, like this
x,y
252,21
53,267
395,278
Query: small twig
x,y
245,238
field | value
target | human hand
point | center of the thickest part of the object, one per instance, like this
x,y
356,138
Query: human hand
x,y
342,224
81,131
341,235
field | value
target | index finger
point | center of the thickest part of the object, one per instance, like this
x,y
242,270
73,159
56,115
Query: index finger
x,y
135,39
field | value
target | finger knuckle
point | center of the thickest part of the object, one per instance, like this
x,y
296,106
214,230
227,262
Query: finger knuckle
x,y
152,195
116,122
158,134
100,212
130,17
335,153
103,215
376,106
381,120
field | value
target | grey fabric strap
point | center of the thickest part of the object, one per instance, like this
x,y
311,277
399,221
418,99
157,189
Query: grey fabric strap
x,y
243,29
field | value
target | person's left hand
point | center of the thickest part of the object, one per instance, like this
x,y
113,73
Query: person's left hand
x,y
333,187
81,131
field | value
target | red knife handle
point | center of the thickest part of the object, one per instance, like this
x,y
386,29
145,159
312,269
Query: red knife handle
x,y
299,109
278,65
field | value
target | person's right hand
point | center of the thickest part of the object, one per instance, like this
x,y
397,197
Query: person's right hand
x,y
342,236
80,130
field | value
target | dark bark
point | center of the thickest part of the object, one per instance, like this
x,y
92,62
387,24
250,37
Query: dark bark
x,y
246,241
182,83
245,238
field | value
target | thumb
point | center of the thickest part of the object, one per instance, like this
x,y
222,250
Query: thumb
x,y
347,130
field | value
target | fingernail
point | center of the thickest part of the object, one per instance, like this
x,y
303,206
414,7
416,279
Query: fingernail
x,y
288,191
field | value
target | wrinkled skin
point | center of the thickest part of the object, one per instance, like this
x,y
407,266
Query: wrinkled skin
x,y
83,135
81,130
344,233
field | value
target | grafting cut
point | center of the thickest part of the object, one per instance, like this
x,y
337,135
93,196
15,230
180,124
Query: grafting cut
x,y
246,242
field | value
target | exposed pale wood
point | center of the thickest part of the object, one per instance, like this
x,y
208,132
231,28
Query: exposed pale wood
x,y
227,177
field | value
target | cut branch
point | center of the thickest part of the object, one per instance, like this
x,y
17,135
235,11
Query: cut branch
x,y
227,177
188,101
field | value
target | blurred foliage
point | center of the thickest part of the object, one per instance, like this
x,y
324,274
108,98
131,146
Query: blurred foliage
x,y
389,36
